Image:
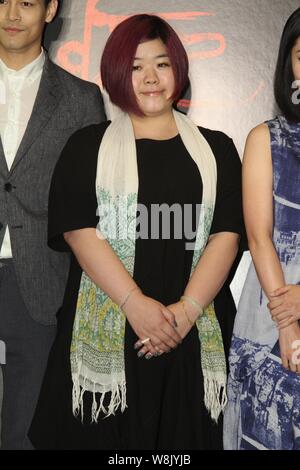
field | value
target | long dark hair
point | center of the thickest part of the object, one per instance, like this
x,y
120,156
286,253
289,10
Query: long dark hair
x,y
284,76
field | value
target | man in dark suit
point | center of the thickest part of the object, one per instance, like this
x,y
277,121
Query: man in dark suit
x,y
41,105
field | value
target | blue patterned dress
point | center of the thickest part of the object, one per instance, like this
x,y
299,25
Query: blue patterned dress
x,y
263,410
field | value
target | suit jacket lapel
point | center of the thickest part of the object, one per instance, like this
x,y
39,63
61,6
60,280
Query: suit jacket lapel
x,y
3,163
46,101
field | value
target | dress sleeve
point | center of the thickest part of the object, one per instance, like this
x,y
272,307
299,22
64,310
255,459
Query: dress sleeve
x,y
228,214
72,197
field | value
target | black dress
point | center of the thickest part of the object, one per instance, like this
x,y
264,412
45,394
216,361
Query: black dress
x,y
164,394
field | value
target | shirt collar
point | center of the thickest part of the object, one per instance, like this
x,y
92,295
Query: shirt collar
x,y
29,73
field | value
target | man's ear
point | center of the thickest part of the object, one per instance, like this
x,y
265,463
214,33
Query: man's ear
x,y
51,10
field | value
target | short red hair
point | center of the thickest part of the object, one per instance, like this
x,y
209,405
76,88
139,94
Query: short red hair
x,y
119,53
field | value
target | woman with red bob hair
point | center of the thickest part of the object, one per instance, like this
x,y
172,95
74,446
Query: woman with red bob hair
x,y
119,53
150,207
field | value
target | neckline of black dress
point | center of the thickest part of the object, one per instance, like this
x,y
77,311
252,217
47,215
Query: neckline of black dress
x,y
146,139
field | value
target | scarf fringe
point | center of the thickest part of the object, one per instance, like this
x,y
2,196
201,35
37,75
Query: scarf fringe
x,y
215,395
95,313
117,399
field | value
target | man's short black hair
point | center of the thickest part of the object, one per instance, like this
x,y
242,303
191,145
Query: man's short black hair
x,y
284,76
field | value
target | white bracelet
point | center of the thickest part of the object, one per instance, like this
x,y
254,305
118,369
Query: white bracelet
x,y
194,303
185,313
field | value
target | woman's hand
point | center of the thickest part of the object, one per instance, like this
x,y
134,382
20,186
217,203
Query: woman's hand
x,y
289,341
285,305
150,319
185,316
182,321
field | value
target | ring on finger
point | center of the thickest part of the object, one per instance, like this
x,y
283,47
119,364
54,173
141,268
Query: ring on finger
x,y
144,341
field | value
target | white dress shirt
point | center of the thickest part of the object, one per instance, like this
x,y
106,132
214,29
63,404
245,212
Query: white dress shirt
x,y
18,91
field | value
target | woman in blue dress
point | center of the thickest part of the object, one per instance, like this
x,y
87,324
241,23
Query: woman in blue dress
x,y
263,411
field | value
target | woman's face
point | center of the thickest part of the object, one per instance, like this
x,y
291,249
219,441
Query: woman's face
x,y
295,54
152,78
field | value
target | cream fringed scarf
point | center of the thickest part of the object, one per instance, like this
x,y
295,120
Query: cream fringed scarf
x,y
97,350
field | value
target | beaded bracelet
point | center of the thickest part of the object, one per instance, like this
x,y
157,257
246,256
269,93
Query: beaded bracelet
x,y
194,303
127,297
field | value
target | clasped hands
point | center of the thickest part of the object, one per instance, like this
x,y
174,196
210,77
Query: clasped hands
x,y
284,307
159,328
